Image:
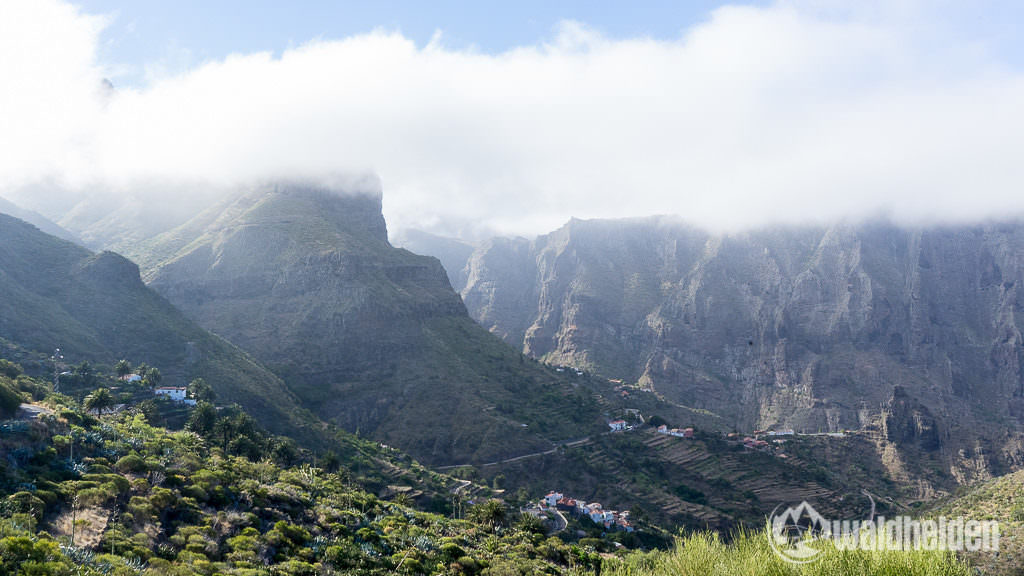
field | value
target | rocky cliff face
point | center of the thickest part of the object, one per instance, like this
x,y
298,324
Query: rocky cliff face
x,y
289,271
819,329
368,336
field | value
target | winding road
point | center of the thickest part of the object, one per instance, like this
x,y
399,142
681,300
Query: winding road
x,y
563,444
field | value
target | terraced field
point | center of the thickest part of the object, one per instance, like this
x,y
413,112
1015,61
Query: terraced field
x,y
705,482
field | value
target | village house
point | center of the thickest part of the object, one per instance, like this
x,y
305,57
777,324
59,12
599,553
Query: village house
x,y
130,378
175,394
617,425
622,521
594,511
552,498
754,443
683,433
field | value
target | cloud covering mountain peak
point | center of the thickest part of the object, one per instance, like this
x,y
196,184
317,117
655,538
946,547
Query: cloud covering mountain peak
x,y
777,114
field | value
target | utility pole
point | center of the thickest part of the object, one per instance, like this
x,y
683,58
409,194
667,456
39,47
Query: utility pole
x,y
57,357
74,517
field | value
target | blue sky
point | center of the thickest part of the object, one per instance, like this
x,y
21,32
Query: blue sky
x,y
183,33
177,35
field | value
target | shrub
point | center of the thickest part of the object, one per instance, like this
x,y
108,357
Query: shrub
x,y
10,399
131,463
27,503
9,369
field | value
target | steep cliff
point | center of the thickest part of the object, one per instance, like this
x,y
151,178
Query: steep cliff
x,y
368,336
819,329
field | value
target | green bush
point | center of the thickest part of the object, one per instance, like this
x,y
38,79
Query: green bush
x,y
27,503
131,463
10,398
120,482
10,369
690,494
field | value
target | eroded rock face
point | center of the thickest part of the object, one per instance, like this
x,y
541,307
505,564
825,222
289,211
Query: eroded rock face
x,y
810,328
368,336
292,274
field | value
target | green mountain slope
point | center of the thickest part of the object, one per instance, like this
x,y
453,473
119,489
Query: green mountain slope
x,y
37,220
1000,499
140,499
367,336
96,308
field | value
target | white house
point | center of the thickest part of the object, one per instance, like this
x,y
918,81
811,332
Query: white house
x,y
552,498
131,378
684,433
175,394
617,425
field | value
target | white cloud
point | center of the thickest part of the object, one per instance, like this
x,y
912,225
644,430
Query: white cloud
x,y
50,90
760,115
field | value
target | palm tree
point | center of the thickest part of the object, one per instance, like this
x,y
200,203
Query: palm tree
x,y
490,513
99,401
201,391
123,368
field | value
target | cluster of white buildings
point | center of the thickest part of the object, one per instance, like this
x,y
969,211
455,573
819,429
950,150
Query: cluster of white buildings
x,y
563,368
610,519
677,432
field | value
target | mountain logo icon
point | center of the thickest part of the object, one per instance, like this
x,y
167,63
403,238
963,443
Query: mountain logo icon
x,y
794,533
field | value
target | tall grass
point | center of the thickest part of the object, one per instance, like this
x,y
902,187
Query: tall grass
x,y
749,554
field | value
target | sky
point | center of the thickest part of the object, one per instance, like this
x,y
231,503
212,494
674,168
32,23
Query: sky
x,y
510,118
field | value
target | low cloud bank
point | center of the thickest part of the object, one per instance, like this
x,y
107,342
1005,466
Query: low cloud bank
x,y
781,114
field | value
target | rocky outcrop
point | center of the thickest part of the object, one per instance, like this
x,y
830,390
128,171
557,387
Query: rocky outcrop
x,y
811,328
369,336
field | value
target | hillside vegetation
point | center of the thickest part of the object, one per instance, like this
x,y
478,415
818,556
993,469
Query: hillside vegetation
x,y
749,554
1000,499
142,499
94,307
113,495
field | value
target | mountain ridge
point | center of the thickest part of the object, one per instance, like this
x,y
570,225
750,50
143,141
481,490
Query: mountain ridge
x,y
368,336
815,328
95,307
